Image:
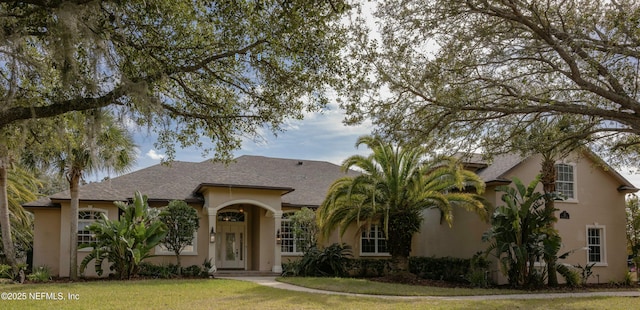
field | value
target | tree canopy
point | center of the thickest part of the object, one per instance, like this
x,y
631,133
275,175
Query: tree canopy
x,y
185,69
470,66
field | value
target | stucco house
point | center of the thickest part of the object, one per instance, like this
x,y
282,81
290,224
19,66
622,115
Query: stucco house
x,y
244,210
591,220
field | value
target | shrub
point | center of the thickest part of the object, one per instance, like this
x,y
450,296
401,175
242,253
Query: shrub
x,y
628,279
158,271
478,271
40,274
5,271
442,268
291,268
585,272
192,271
206,265
570,275
369,267
331,261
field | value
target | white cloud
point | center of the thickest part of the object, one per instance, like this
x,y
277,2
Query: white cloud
x,y
154,155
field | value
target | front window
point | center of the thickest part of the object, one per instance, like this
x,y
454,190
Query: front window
x,y
373,241
85,219
293,242
565,181
190,249
595,245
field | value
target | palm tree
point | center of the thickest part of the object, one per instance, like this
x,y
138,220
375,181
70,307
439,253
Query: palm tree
x,y
90,142
396,186
12,140
22,186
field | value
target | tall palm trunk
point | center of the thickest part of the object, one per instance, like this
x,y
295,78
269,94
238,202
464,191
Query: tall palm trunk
x,y
74,183
400,249
548,179
5,223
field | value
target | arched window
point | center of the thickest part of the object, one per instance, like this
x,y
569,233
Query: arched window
x,y
231,216
86,217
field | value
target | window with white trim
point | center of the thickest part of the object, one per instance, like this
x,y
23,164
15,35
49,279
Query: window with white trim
x,y
291,242
565,180
86,217
596,245
191,249
373,241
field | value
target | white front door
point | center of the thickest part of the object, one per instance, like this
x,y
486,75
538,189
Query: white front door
x,y
231,245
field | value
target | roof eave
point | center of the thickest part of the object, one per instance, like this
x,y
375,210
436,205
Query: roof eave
x,y
284,190
627,189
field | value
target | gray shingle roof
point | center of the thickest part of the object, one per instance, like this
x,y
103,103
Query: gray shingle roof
x,y
309,179
493,170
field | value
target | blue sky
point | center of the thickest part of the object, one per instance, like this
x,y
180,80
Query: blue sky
x,y
320,136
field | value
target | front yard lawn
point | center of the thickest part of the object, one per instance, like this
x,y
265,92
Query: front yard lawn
x,y
362,286
232,294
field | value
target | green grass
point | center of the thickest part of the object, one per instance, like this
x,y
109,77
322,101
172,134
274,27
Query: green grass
x,y
232,294
362,286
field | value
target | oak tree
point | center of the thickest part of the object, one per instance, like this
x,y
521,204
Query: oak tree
x,y
455,66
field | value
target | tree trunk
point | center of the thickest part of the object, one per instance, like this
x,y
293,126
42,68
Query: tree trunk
x,y
399,243
178,263
5,222
548,179
74,184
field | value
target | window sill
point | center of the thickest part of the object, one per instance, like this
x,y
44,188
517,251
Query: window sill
x,y
375,254
174,254
291,254
599,264
570,201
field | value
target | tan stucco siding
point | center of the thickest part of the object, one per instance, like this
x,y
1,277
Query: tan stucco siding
x,y
598,204
46,244
219,197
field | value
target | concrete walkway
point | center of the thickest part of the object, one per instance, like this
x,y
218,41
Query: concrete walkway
x,y
271,282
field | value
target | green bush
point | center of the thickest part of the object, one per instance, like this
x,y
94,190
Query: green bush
x,y
369,267
5,271
158,271
332,261
585,272
40,274
441,268
478,271
192,271
291,268
570,275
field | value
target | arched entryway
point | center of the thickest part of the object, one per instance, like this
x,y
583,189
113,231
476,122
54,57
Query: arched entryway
x,y
245,236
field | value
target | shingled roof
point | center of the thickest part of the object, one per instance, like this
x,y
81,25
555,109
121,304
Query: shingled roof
x,y
495,172
309,180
